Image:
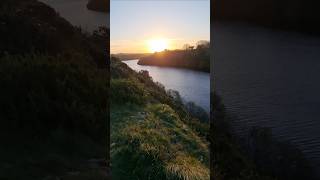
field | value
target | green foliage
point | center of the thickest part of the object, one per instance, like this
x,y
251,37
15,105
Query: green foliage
x,y
43,93
51,105
127,91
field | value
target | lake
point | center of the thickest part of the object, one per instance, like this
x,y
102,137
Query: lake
x,y
76,12
192,85
270,79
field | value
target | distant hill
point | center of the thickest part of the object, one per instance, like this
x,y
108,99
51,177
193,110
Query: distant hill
x,y
298,15
99,5
190,58
130,56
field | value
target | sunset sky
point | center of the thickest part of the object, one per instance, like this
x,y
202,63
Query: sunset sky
x,y
140,26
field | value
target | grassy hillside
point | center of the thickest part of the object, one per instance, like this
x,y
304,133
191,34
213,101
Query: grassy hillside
x,y
152,135
53,108
191,58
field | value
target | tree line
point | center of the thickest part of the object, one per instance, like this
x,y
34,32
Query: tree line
x,y
190,57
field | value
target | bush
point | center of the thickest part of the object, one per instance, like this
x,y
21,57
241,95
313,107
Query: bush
x,y
42,93
127,91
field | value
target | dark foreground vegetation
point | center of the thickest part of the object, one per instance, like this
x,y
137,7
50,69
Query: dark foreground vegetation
x,y
54,96
258,156
99,5
197,58
298,15
153,136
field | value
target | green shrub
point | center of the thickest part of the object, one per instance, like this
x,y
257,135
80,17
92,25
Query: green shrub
x,y
42,93
127,91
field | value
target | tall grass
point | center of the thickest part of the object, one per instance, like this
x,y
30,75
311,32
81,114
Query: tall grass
x,y
154,143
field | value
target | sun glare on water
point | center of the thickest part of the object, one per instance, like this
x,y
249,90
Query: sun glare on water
x,y
157,45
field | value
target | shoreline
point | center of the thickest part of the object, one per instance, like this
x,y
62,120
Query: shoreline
x,y
160,74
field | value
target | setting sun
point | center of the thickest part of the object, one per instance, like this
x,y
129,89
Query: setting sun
x,y
157,45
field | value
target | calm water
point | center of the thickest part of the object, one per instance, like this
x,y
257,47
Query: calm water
x,y
76,12
270,79
192,85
